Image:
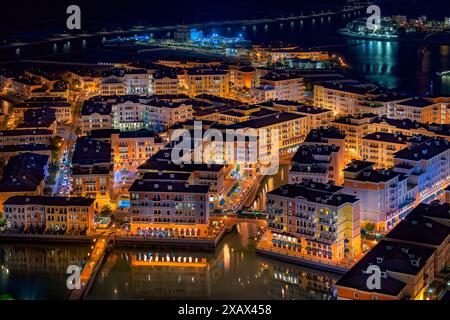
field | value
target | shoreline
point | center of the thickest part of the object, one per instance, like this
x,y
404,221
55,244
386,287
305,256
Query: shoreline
x,y
120,242
401,39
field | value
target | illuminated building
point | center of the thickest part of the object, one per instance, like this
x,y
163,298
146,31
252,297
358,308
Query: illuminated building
x,y
62,108
314,222
383,194
354,127
287,86
185,63
242,77
166,113
427,165
379,147
317,163
138,81
423,110
95,114
315,117
133,148
165,83
24,174
263,93
92,170
381,105
208,81
112,85
406,270
342,99
6,79
412,255
289,128
11,150
40,118
169,206
241,114
50,213
17,137
23,86
326,137
211,175
84,78
263,56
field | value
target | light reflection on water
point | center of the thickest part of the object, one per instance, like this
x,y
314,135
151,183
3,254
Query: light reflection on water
x,y
233,272
37,272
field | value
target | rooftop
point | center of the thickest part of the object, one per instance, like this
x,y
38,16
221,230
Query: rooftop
x,y
50,201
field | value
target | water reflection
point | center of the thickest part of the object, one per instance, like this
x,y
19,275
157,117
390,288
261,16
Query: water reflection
x,y
268,184
233,272
37,272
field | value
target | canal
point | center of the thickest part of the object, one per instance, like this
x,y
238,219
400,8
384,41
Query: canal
x,y
234,271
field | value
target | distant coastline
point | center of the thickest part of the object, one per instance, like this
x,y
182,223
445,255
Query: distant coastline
x,y
442,38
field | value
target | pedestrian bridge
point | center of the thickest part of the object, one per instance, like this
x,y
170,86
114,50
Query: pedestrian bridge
x,y
92,266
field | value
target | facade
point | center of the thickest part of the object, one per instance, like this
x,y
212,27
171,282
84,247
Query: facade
x,y
287,86
63,109
50,213
355,128
315,222
92,171
133,148
208,81
30,136
24,174
423,110
379,147
95,115
383,195
175,209
412,255
317,163
427,166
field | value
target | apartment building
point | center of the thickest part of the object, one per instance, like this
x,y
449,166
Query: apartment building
x,y
63,109
383,194
95,115
317,163
92,170
427,165
288,86
355,128
424,110
31,136
60,214
287,130
314,220
412,255
379,147
24,174
169,208
208,81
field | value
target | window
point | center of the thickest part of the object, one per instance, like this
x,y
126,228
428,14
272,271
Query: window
x,y
356,295
374,297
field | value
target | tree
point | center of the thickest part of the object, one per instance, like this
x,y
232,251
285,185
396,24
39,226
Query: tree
x,y
106,211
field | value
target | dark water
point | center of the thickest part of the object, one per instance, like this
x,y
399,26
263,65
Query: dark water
x,y
395,65
233,272
37,272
